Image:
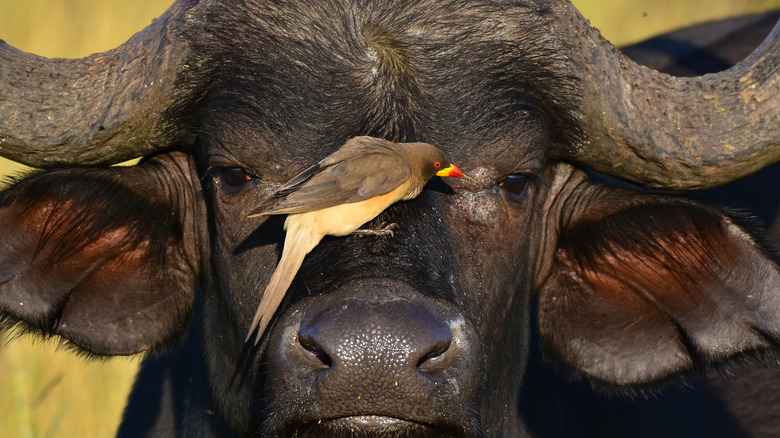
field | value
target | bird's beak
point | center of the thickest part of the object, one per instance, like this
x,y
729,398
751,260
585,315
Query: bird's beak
x,y
452,170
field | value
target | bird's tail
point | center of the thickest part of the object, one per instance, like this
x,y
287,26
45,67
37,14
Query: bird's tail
x,y
297,244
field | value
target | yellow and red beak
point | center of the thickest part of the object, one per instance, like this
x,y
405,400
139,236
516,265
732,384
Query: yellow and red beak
x,y
451,170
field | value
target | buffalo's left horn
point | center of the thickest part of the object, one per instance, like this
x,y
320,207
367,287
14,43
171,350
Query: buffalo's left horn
x,y
671,132
102,109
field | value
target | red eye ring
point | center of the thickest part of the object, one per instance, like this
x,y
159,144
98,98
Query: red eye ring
x,y
437,164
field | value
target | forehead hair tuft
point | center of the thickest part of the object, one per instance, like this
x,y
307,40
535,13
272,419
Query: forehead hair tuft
x,y
390,55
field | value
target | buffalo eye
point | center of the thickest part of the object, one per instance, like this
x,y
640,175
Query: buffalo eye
x,y
515,186
234,177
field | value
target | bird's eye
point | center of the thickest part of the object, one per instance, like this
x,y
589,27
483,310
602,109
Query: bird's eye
x,y
437,164
234,177
515,186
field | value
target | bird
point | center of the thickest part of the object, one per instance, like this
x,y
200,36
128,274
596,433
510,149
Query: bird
x,y
339,194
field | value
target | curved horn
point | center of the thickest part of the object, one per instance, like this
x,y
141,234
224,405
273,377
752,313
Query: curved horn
x,y
670,132
102,109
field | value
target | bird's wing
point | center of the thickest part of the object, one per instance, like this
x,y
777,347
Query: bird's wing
x,y
297,181
352,180
350,150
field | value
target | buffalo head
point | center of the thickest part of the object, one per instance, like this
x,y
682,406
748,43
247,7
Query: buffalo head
x,y
425,333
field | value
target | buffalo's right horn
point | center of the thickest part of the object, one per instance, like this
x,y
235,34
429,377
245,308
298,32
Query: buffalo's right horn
x,y
102,109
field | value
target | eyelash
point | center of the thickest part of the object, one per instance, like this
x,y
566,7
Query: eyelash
x,y
516,185
231,179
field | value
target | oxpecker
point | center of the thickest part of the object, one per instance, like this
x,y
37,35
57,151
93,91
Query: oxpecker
x,y
339,194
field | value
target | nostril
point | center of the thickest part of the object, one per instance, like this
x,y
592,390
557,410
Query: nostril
x,y
309,344
429,360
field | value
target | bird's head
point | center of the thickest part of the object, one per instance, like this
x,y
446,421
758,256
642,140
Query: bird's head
x,y
432,161
447,169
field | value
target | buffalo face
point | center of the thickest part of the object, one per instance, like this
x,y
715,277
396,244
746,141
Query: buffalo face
x,y
380,78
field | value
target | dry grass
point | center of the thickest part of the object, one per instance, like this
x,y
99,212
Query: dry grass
x,y
50,393
629,21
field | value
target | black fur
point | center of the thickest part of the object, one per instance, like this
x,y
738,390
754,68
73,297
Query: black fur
x,y
258,46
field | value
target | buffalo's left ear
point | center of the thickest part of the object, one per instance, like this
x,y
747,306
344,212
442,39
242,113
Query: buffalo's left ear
x,y
656,287
107,258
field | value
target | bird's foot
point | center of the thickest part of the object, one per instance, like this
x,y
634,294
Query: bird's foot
x,y
383,230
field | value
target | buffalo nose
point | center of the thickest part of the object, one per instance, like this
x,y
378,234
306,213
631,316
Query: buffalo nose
x,y
368,351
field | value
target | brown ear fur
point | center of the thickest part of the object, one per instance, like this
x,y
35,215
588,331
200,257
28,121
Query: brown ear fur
x,y
655,288
101,257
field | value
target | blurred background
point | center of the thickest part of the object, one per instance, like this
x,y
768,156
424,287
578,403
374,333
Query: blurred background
x,y
46,391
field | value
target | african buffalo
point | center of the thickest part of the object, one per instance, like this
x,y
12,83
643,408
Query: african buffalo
x,y
428,332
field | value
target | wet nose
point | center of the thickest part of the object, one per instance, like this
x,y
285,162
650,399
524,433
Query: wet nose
x,y
372,352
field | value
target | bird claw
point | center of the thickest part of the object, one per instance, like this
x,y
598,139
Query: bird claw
x,y
383,230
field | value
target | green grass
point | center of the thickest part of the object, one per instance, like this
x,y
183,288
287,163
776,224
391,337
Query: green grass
x,y
49,393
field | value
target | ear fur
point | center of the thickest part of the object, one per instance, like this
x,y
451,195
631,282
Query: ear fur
x,y
657,287
102,257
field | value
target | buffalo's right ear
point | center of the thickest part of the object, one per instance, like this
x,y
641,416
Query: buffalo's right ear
x,y
107,258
